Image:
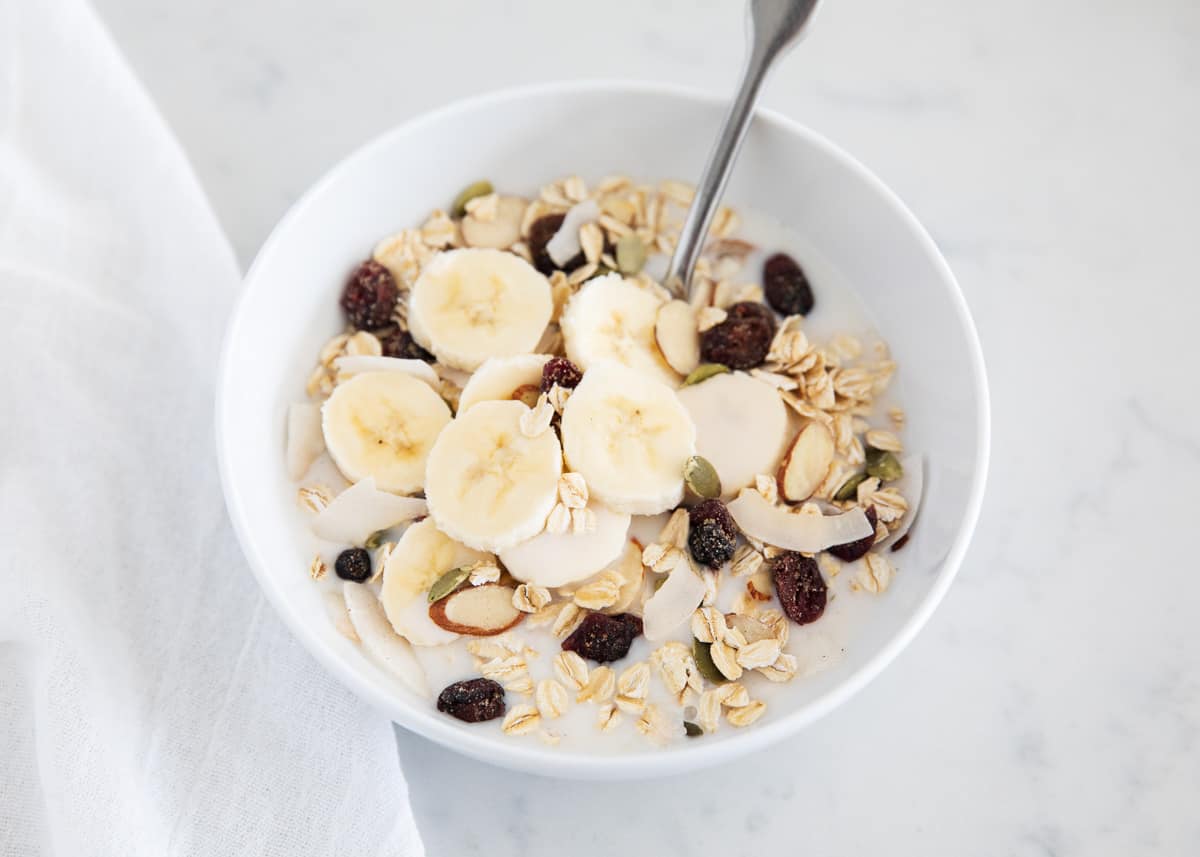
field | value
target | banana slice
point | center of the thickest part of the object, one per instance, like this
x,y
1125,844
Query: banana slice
x,y
502,230
472,304
487,483
383,424
498,377
613,319
629,437
422,555
741,427
559,559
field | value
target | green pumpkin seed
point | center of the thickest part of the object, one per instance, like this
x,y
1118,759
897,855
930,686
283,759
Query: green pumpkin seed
x,y
704,662
374,540
475,189
701,478
883,465
703,372
691,729
448,582
631,254
849,489
602,270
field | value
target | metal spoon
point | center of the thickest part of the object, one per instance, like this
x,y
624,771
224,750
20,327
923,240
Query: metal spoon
x,y
775,25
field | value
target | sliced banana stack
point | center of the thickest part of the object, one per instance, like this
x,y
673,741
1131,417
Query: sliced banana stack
x,y
472,304
612,319
487,483
383,424
499,377
629,437
422,555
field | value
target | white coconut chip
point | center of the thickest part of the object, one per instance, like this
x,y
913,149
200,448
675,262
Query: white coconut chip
x,y
775,525
564,246
377,636
910,485
361,510
305,440
674,602
356,364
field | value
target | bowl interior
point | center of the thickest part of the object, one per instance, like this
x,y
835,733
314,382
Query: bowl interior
x,y
521,140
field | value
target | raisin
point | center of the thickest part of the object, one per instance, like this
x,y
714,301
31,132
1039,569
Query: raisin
x,y
850,551
786,287
353,564
604,638
800,587
473,700
901,542
712,534
540,233
400,343
370,296
560,371
742,340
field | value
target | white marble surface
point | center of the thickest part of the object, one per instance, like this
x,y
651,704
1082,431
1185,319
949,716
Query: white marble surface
x,y
1052,706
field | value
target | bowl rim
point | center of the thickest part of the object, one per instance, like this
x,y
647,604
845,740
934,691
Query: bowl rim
x,y
545,760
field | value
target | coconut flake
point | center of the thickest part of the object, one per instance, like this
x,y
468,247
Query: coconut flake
x,y
564,246
305,440
361,510
910,485
358,363
776,526
674,602
372,627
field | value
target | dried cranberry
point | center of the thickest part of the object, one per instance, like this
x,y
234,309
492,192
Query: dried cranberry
x,y
560,371
400,343
540,233
742,340
712,534
901,542
850,551
473,700
370,296
353,564
800,587
785,286
604,638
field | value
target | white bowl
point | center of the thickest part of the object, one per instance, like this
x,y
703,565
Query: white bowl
x,y
523,138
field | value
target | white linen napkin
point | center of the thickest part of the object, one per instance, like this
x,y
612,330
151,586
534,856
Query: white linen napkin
x,y
150,702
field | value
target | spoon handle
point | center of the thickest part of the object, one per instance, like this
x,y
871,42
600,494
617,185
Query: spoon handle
x,y
775,25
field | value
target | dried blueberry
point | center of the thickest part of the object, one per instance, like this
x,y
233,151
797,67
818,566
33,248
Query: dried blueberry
x,y
742,340
712,534
786,287
850,551
540,233
400,343
560,371
604,638
473,700
370,296
800,587
353,564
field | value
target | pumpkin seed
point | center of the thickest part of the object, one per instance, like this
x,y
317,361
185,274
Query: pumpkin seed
x,y
375,539
883,465
849,489
701,478
703,372
704,662
691,729
631,254
448,582
475,189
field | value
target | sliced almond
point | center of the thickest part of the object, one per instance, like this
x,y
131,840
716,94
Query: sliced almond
x,y
501,231
678,336
806,463
480,611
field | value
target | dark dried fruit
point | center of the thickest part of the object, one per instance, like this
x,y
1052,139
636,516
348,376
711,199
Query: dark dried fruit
x,y
353,564
540,233
850,551
560,371
604,638
370,296
742,340
786,287
800,587
712,535
473,700
692,730
399,343
901,542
